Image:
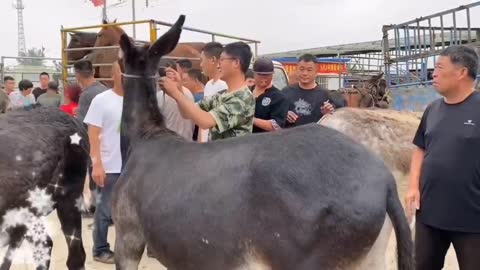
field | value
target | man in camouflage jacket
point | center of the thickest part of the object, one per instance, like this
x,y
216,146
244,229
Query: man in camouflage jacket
x,y
228,113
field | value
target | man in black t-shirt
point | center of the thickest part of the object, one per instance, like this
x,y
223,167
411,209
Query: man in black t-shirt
x,y
44,80
444,183
271,105
308,101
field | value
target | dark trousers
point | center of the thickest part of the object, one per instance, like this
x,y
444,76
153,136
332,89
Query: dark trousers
x,y
431,246
103,215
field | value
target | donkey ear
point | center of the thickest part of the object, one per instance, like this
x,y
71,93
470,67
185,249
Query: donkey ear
x,y
126,45
115,21
166,43
104,21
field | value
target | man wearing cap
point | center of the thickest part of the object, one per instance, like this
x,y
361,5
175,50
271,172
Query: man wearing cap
x,y
271,105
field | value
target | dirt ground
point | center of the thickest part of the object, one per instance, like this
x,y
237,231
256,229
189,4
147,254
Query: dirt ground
x,y
59,256
23,257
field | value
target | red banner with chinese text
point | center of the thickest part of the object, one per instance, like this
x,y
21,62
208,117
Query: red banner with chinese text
x,y
323,68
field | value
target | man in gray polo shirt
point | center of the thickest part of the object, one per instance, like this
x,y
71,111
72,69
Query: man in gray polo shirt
x,y
90,87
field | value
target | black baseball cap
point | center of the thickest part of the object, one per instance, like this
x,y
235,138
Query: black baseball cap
x,y
263,66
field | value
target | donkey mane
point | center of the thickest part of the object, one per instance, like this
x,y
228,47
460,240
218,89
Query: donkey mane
x,y
144,109
156,125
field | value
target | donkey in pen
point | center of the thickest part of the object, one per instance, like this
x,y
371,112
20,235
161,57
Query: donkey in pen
x,y
304,198
43,161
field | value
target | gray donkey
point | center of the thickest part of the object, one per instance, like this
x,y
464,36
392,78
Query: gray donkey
x,y
304,198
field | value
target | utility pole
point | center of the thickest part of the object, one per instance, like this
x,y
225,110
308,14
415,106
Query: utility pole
x,y
22,50
104,14
104,10
133,19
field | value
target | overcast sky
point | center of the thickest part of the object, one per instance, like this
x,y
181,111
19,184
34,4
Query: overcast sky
x,y
279,24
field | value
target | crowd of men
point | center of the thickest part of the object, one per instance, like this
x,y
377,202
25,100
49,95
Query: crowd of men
x,y
223,99
26,97
201,110
444,186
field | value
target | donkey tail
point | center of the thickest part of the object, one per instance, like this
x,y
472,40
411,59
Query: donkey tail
x,y
402,230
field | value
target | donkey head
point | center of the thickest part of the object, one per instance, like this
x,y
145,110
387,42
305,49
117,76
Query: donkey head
x,y
143,61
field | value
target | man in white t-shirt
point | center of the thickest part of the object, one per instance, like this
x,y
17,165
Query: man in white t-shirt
x,y
103,119
170,111
173,118
209,62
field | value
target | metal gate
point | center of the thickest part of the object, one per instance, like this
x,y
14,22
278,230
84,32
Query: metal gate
x,y
410,50
30,72
153,27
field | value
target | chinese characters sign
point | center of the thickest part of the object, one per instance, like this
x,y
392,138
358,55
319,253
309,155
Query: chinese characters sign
x,y
323,68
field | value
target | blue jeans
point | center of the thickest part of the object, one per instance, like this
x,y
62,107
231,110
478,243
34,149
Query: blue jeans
x,y
103,215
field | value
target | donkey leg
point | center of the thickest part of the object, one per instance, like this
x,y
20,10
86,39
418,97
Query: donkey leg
x,y
7,260
40,242
376,257
130,241
71,221
17,235
42,252
128,250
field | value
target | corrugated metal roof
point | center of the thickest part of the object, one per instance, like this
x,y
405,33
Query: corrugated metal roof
x,y
376,46
332,51
319,60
